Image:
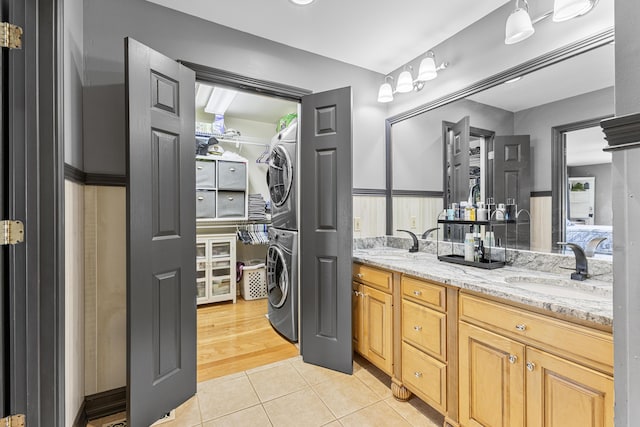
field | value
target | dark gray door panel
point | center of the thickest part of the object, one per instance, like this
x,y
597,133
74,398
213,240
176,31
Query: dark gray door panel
x,y
161,291
326,230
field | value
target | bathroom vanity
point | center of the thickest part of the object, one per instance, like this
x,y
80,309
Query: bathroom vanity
x,y
506,347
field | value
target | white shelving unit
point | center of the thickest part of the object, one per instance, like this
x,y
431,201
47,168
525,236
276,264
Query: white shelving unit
x,y
216,268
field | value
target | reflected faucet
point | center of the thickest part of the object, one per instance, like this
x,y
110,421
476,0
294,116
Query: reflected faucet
x,y
427,232
582,271
413,248
592,245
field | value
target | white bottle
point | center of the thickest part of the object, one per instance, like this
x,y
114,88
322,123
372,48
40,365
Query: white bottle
x,y
468,247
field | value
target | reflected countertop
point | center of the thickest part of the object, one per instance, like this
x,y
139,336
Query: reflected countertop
x,y
590,300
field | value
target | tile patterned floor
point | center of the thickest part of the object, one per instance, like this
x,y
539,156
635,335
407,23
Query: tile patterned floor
x,y
293,393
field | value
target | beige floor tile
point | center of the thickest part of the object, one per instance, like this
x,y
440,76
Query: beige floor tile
x,y
187,415
220,380
376,380
377,415
276,381
250,417
302,408
345,395
333,424
270,365
221,398
416,412
315,374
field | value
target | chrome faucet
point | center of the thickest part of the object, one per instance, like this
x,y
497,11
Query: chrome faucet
x,y
427,232
582,270
413,248
592,245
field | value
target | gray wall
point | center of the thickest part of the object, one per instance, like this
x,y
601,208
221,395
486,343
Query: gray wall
x,y
180,36
73,80
626,227
602,173
538,121
417,142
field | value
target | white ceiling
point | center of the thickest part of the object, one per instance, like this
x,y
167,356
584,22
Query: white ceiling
x,y
373,34
584,73
584,147
249,106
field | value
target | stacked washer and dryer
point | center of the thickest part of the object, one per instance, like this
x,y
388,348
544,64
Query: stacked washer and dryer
x,y
282,252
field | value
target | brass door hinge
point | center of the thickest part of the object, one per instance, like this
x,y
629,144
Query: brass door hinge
x,y
11,232
10,36
13,421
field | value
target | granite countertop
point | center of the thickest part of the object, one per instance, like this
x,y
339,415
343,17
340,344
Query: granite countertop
x,y
590,300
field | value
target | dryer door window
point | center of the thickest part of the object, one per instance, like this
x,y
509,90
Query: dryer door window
x,y
277,277
280,175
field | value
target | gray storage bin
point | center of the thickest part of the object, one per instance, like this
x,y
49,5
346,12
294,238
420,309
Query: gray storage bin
x,y
205,174
232,175
230,204
205,204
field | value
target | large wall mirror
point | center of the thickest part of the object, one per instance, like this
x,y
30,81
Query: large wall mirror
x,y
530,133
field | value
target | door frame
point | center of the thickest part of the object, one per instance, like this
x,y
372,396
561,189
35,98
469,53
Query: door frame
x,y
36,190
559,176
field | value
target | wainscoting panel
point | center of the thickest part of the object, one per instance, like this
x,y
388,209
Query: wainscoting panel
x,y
415,214
540,224
370,212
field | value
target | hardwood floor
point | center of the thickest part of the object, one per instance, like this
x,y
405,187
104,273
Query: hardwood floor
x,y
236,337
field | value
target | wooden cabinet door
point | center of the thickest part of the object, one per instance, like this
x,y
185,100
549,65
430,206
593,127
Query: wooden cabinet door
x,y
491,381
357,314
377,326
562,393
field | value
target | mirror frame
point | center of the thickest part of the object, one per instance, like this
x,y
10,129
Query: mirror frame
x,y
576,48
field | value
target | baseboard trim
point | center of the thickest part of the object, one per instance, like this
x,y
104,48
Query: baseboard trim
x,y
107,403
81,417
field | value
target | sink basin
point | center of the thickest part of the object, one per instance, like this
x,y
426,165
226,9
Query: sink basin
x,y
559,287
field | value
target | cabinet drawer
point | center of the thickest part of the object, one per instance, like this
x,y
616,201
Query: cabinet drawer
x,y
425,329
579,342
372,276
205,174
232,176
205,204
425,376
230,204
427,293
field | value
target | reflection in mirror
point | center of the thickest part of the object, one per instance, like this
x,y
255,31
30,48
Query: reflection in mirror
x,y
513,126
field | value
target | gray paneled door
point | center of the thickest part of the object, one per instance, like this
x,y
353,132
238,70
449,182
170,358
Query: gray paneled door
x,y
161,291
326,230
459,148
512,179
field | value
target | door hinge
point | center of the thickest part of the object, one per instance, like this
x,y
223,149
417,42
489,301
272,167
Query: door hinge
x,y
11,232
13,421
10,36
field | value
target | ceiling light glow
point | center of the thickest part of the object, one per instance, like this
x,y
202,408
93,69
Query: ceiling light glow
x,y
302,2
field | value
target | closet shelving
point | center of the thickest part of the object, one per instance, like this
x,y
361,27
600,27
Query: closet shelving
x,y
241,140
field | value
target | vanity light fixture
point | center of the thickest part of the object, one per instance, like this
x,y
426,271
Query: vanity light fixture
x,y
302,2
428,71
519,24
513,80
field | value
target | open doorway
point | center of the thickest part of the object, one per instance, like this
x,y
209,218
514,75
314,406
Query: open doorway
x,y
236,131
581,199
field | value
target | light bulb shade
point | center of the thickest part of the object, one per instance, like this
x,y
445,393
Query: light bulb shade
x,y
564,10
519,27
385,93
405,82
427,70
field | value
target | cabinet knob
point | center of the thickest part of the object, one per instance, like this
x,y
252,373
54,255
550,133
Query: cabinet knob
x,y
417,374
513,358
417,328
232,169
199,168
417,293
531,366
230,199
359,275
200,198
521,327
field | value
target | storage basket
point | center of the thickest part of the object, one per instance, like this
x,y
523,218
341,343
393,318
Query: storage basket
x,y
253,284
